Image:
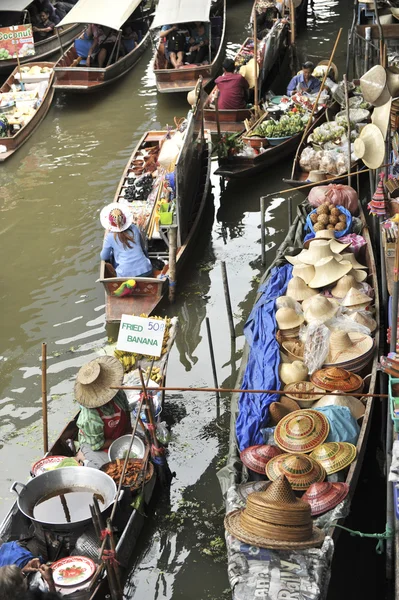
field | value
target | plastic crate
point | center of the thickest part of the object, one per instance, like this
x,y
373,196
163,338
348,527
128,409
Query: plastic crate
x,y
392,398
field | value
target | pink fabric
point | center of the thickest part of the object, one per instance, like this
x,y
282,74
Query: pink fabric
x,y
357,242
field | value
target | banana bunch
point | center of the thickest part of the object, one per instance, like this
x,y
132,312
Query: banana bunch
x,y
155,374
128,359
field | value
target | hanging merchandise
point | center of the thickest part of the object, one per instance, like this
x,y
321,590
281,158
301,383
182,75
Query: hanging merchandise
x,y
378,204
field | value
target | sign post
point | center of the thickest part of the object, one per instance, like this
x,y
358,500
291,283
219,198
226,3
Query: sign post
x,y
16,42
141,335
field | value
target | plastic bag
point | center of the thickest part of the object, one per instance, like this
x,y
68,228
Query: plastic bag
x,y
162,433
170,150
343,323
337,194
338,234
310,159
316,346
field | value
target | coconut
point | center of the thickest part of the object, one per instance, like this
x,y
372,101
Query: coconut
x,y
323,219
313,217
342,218
340,226
335,212
318,226
333,220
330,226
322,210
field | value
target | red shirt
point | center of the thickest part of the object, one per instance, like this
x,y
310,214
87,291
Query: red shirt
x,y
232,87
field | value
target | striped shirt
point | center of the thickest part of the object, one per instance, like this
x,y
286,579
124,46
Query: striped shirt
x,y
91,425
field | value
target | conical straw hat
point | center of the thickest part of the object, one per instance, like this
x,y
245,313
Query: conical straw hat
x,y
343,286
373,85
328,271
355,297
308,393
320,309
380,117
370,146
318,249
355,405
348,345
294,349
305,272
276,412
328,234
333,456
298,289
335,378
294,259
289,403
300,470
292,372
392,73
352,259
359,275
287,318
364,318
257,457
94,380
285,302
301,431
325,496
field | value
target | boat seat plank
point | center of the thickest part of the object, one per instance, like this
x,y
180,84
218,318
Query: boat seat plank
x,y
130,305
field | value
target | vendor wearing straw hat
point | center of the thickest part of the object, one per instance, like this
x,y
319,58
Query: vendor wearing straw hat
x,y
123,245
304,81
104,415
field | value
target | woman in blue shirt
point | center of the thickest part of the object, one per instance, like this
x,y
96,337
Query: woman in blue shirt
x,y
123,244
305,81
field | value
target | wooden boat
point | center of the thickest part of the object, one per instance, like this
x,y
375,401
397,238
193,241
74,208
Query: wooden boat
x,y
71,72
191,197
16,139
170,80
242,166
232,474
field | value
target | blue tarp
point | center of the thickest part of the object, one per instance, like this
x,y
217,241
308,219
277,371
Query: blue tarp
x,y
261,372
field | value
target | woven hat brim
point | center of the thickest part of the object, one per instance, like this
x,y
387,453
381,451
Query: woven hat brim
x,y
282,441
274,470
322,279
330,469
244,489
341,490
99,393
364,344
104,217
233,525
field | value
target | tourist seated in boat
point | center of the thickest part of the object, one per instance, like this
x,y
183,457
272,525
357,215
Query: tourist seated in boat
x,y
232,87
304,81
46,29
47,6
17,565
130,37
199,44
104,415
123,245
175,44
102,43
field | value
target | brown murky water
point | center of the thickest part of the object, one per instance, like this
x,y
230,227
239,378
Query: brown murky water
x,y
51,193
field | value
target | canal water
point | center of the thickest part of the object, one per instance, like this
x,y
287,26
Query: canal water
x,y
51,193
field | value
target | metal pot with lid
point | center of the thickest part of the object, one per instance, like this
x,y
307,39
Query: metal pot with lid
x,y
61,498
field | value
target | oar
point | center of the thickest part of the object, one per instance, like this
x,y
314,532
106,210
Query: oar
x,y
44,397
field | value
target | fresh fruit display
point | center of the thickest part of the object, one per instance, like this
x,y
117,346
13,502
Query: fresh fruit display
x,y
328,216
287,126
328,132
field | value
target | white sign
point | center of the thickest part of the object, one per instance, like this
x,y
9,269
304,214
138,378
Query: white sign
x,y
141,335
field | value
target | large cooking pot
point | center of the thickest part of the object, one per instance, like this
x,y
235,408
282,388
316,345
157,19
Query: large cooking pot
x,y
64,480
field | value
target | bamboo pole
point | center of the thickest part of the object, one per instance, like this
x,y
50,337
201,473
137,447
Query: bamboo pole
x,y
172,237
263,229
256,91
212,354
315,105
217,113
293,23
395,299
349,127
227,298
44,397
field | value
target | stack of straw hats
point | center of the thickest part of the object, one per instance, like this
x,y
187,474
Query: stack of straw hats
x,y
325,496
329,270
275,518
320,309
334,456
343,286
319,249
356,300
292,372
298,289
336,378
301,470
301,431
349,350
305,393
257,457
328,234
355,405
289,322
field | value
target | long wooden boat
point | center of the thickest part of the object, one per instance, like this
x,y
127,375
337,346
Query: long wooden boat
x,y
233,473
71,72
170,80
191,197
14,141
235,167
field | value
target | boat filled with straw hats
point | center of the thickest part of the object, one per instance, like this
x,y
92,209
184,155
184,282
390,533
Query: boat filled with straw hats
x,y
318,316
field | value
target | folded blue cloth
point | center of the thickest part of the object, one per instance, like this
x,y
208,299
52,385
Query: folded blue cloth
x,y
343,426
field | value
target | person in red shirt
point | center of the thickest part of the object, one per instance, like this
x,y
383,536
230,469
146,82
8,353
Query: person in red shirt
x,y
232,87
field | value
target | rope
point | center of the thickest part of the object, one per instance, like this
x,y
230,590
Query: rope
x,y
104,533
387,535
110,556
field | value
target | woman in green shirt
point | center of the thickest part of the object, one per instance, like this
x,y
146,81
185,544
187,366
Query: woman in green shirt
x,y
104,414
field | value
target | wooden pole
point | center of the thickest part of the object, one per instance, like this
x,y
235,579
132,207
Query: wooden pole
x,y
289,202
395,300
44,397
172,237
263,229
256,91
213,363
293,23
59,39
380,31
217,113
315,105
228,300
349,127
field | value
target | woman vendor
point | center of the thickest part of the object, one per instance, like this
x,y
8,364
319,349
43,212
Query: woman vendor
x,y
104,414
123,245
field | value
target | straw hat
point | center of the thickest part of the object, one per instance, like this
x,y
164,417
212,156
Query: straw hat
x,y
275,518
328,234
248,71
370,146
353,260
318,249
348,345
333,67
364,318
276,412
298,289
324,496
309,393
316,176
337,246
395,12
116,217
329,270
355,405
289,403
374,87
285,302
287,318
305,272
257,457
344,284
294,349
320,309
244,489
294,259
392,73
355,297
334,378
292,372
301,431
300,470
334,456
94,379
359,275
380,117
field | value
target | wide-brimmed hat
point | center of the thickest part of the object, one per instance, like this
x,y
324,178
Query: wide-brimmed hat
x,y
353,260
345,346
364,318
380,117
355,405
318,249
334,456
373,85
285,302
305,272
301,431
248,71
316,175
244,489
344,284
257,457
321,309
329,235
292,372
370,146
328,271
335,378
359,275
305,393
274,518
287,318
94,380
355,298
298,289
333,67
337,246
294,349
325,496
301,470
116,217
289,403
